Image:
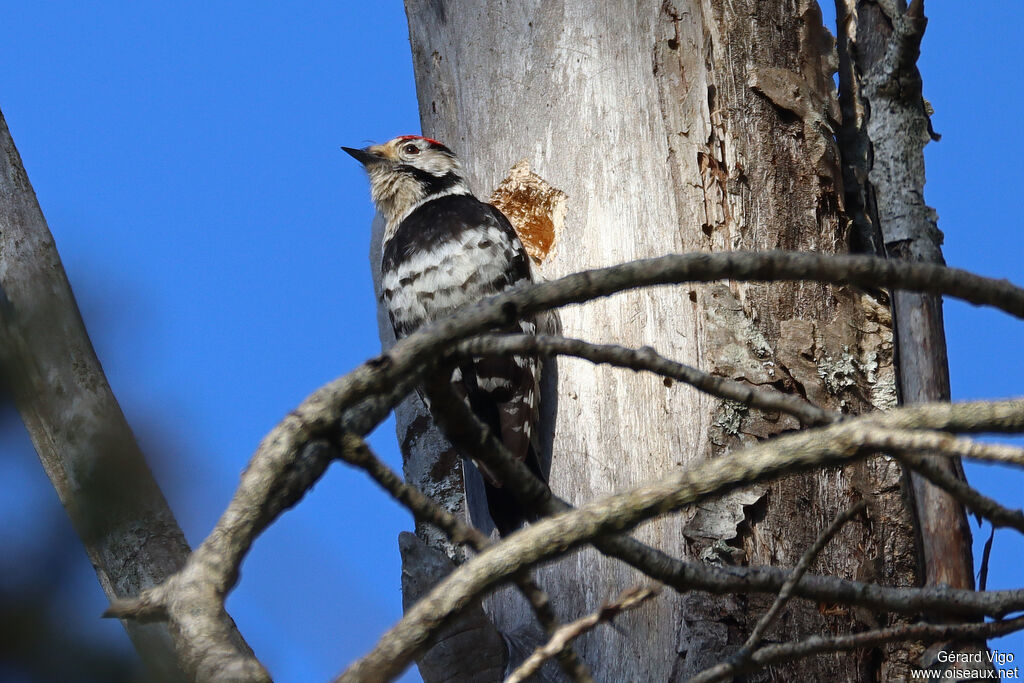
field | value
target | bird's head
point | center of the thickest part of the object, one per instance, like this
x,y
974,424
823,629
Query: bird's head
x,y
407,171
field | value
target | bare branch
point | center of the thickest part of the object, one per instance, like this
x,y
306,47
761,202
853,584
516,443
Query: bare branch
x,y
910,440
649,359
764,399
560,640
474,437
356,452
787,652
798,573
283,467
381,382
76,425
771,266
686,576
556,535
570,662
745,653
971,498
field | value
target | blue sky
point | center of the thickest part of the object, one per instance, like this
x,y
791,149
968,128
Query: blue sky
x,y
969,65
187,161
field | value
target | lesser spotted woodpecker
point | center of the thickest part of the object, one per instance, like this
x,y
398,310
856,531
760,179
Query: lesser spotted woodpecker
x,y
444,249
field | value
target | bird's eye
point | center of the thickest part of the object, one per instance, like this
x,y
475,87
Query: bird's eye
x,y
411,149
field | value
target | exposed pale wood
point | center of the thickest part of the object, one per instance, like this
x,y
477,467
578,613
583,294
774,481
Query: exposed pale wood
x,y
75,424
675,126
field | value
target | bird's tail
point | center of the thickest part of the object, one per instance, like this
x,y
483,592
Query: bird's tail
x,y
507,513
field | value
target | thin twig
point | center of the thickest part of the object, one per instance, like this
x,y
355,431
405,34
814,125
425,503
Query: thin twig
x,y
917,440
756,397
986,555
684,576
745,653
798,573
649,359
561,639
688,576
355,451
779,457
568,660
815,645
193,599
971,498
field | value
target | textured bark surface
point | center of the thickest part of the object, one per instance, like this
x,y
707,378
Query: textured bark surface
x,y
471,629
75,423
679,126
885,184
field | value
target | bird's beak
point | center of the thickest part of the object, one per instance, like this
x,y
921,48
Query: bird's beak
x,y
363,156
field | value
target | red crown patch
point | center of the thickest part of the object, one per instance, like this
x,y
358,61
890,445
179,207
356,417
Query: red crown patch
x,y
420,137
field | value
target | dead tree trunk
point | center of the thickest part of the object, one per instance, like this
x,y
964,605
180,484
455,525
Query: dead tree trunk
x,y
678,126
881,92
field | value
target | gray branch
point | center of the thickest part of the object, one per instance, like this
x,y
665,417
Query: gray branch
x,y
356,452
649,359
282,468
561,638
816,645
972,499
85,445
745,654
785,455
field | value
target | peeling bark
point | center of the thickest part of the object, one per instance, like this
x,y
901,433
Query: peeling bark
x,y
881,92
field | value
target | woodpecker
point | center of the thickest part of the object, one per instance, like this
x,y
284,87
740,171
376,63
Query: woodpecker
x,y
444,249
